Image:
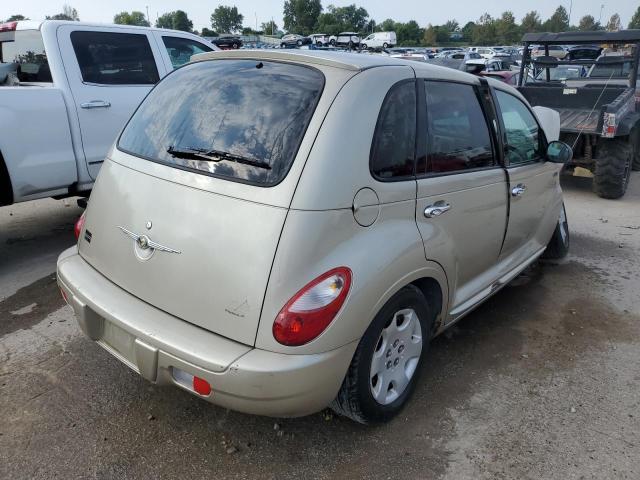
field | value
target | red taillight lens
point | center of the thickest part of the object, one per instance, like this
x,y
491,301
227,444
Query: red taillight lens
x,y
79,224
8,27
201,386
312,309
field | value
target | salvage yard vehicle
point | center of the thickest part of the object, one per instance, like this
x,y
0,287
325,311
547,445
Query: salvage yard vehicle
x,y
66,90
227,41
599,113
345,39
293,40
270,255
380,40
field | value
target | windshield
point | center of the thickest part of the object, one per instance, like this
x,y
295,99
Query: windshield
x,y
237,119
27,57
562,73
621,69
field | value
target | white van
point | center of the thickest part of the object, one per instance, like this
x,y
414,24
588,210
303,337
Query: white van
x,y
379,40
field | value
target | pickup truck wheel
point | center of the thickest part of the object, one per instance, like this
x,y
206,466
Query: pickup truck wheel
x,y
613,168
635,145
386,364
558,246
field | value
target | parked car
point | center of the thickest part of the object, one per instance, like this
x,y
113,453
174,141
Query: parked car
x,y
293,40
349,39
67,89
585,52
510,77
380,40
555,51
486,52
319,39
227,42
243,270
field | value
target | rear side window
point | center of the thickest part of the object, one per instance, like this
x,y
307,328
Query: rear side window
x,y
181,49
241,120
457,133
28,57
394,142
115,58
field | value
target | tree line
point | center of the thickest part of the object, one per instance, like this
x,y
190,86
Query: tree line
x,y
309,16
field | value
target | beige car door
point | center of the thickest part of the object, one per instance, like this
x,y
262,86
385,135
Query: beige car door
x,y
533,181
461,207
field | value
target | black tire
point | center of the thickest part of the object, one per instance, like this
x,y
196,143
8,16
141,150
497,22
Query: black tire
x,y
235,46
385,45
299,43
355,400
558,246
319,44
363,46
635,145
332,42
613,168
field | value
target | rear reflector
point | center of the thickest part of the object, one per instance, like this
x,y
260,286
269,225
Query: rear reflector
x,y
64,295
197,384
78,226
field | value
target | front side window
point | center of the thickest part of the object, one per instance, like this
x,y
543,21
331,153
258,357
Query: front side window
x,y
394,142
107,58
181,49
27,57
523,140
458,137
236,119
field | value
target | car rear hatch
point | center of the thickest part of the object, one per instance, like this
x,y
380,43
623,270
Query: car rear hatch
x,y
187,212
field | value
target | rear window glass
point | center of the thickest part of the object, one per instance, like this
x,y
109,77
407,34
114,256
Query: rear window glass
x,y
237,119
26,56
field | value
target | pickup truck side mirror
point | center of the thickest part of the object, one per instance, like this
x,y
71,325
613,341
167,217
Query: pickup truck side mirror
x,y
559,152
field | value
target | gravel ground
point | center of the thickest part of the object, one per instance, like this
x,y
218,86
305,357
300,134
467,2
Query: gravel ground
x,y
539,382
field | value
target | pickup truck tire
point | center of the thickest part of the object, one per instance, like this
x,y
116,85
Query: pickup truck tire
x,y
635,145
613,168
558,246
355,398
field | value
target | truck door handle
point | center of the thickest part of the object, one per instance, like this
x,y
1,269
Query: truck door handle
x,y
518,190
96,104
437,209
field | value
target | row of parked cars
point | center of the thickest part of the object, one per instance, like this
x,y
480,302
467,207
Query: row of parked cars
x,y
345,39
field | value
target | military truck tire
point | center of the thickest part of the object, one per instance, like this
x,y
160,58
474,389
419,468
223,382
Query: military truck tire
x,y
613,167
635,145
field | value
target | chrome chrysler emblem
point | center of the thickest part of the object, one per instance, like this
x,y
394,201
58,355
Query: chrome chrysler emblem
x,y
145,243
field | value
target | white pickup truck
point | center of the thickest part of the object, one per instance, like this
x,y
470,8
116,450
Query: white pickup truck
x,y
66,91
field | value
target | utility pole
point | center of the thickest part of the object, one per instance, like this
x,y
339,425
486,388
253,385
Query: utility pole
x,y
600,18
148,19
570,10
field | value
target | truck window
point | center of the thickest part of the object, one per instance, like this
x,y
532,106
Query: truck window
x,y
458,137
107,58
27,56
181,49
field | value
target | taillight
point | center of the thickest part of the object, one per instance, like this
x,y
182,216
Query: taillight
x,y
312,309
79,224
8,27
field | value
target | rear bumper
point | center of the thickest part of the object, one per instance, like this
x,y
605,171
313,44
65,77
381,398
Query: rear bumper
x,y
152,343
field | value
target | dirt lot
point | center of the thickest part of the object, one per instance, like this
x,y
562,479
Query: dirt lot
x,y
540,382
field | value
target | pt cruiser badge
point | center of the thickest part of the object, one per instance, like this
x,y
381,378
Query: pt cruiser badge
x,y
145,243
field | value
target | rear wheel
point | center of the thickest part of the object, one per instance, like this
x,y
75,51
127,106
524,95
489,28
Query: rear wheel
x,y
613,168
299,43
386,364
558,246
363,46
385,45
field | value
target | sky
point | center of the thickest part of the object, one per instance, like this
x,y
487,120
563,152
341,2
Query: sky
x,y
263,10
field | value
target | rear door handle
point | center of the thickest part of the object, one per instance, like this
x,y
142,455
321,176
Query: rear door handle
x,y
518,190
96,104
437,209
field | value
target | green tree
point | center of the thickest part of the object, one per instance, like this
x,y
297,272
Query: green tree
x,y
559,21
16,18
301,16
68,13
269,28
409,34
208,33
133,18
430,37
635,20
507,32
177,20
350,17
226,19
451,26
614,23
467,31
387,26
587,23
484,32
531,22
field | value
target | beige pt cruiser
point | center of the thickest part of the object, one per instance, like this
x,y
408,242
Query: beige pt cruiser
x,y
278,232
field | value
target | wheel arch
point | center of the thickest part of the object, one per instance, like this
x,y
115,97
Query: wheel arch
x,y
434,295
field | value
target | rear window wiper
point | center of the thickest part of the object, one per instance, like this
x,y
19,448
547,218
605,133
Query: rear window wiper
x,y
214,156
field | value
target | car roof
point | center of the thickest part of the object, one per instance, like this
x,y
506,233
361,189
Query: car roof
x,y
583,37
343,60
40,25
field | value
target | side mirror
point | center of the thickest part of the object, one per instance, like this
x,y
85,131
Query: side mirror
x,y
559,152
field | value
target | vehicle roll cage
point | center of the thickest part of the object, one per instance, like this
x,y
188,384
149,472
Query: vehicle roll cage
x,y
622,37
